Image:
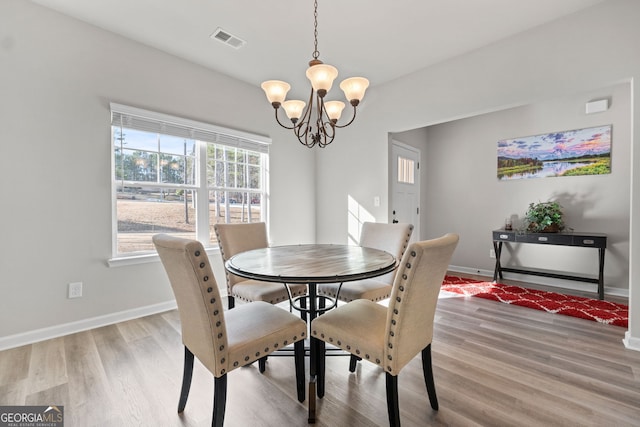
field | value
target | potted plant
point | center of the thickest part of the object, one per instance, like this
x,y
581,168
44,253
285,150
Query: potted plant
x,y
544,217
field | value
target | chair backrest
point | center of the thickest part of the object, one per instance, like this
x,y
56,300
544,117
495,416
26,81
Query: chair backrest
x,y
412,304
199,303
236,238
392,238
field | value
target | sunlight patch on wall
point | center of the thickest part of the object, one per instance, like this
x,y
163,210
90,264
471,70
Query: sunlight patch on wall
x,y
356,215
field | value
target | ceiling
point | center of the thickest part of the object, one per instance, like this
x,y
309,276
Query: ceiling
x,y
380,40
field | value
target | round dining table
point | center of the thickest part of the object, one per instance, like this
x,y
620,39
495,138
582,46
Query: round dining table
x,y
312,264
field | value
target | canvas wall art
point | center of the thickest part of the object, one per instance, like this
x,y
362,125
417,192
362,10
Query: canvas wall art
x,y
569,153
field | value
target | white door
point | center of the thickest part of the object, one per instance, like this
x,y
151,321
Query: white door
x,y
405,186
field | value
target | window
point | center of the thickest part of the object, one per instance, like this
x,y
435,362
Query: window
x,y
405,170
177,176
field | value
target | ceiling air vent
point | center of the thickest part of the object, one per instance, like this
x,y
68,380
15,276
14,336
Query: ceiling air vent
x,y
227,38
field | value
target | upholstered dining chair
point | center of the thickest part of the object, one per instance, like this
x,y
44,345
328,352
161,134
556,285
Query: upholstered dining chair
x,y
392,238
223,341
236,238
391,336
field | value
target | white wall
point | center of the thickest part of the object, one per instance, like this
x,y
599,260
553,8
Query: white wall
x,y
57,77
558,59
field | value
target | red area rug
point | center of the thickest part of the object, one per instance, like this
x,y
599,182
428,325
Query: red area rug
x,y
585,308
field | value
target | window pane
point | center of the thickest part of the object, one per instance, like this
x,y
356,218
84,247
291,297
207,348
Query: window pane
x,y
145,211
136,139
138,166
405,170
254,177
175,145
233,207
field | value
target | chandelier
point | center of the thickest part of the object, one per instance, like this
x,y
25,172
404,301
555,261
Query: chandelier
x,y
316,124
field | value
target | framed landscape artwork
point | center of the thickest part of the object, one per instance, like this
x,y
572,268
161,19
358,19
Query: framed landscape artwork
x,y
569,153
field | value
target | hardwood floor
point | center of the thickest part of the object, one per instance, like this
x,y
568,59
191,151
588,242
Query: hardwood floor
x,y
494,365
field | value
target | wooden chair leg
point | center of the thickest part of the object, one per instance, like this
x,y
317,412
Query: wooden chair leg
x,y
186,379
262,364
353,361
231,302
427,370
219,400
322,354
392,400
299,351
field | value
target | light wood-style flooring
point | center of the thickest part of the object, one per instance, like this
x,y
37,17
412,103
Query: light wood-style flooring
x,y
494,365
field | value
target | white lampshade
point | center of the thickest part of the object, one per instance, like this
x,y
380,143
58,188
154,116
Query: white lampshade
x,y
293,109
334,109
322,76
354,88
275,90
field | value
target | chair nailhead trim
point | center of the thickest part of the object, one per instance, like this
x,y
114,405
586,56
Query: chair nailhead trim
x,y
413,253
209,290
202,264
197,253
266,350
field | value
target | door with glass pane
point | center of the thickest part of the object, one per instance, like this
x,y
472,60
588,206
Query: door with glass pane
x,y
405,186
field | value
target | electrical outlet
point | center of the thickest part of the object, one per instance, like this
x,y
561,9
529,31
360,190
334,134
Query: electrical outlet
x,y
75,290
492,253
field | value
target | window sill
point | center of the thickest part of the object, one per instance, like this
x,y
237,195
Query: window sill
x,y
123,261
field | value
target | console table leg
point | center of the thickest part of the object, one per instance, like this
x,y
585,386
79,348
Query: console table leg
x,y
497,248
601,273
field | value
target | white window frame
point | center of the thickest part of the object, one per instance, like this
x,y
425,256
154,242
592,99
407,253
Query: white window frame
x,y
202,133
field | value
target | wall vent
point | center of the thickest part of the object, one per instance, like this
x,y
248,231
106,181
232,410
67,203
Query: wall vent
x,y
228,38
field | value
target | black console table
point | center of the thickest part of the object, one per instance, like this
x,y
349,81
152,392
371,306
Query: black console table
x,y
584,240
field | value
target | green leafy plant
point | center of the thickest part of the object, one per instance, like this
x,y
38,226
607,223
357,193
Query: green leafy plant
x,y
544,217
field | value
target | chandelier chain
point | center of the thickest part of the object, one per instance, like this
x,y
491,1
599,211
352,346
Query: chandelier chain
x,y
315,30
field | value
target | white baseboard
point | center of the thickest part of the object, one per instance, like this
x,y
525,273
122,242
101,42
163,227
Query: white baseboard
x,y
556,283
37,335
630,342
